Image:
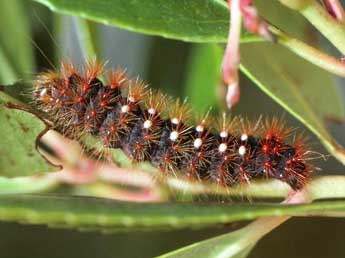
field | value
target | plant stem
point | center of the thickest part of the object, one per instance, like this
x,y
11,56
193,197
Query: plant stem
x,y
331,28
322,187
335,8
309,53
260,227
8,74
231,58
86,38
326,187
270,189
332,147
29,184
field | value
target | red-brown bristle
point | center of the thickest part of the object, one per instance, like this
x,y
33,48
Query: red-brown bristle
x,y
227,124
277,128
92,69
203,120
157,101
137,91
117,78
179,112
67,69
247,127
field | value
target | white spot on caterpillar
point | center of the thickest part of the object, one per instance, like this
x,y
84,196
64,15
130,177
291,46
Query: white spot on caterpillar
x,y
147,124
151,111
131,99
175,120
223,134
242,150
124,108
43,92
199,128
173,135
222,147
244,137
197,143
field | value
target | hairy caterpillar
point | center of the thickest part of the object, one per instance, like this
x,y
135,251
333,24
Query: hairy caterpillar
x,y
148,126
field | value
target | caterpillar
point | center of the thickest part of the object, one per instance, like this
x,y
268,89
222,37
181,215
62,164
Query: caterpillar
x,y
149,126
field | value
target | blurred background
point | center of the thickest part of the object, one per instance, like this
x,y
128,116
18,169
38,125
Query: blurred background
x,y
165,64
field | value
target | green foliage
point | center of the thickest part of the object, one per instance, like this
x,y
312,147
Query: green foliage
x,y
19,130
102,214
232,245
203,75
192,20
305,91
17,185
16,54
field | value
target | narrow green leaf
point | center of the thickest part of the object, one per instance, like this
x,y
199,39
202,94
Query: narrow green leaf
x,y
19,130
36,184
15,47
224,246
87,37
192,20
203,75
215,247
236,244
101,214
7,72
303,89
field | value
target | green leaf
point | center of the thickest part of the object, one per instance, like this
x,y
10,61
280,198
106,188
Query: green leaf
x,y
31,184
285,19
16,53
229,245
192,20
236,244
203,75
306,91
7,72
19,130
101,214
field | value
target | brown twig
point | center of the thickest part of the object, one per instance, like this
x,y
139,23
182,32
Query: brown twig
x,y
335,8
